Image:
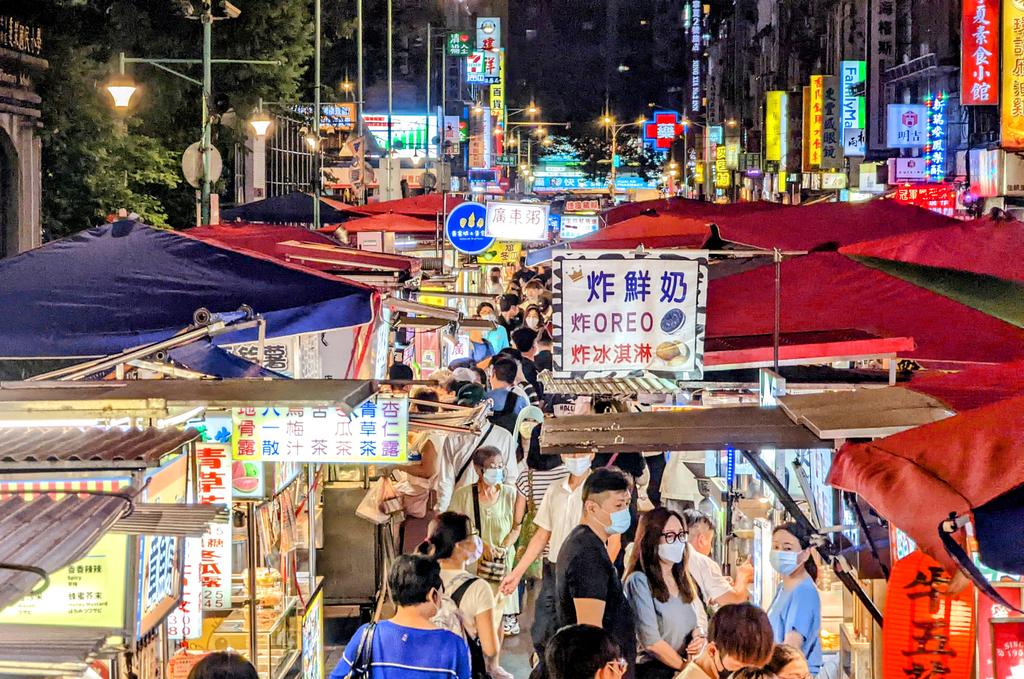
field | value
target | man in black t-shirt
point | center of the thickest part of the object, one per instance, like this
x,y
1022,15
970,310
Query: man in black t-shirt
x,y
588,586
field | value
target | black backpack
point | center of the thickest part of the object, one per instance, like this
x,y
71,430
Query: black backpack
x,y
478,661
506,418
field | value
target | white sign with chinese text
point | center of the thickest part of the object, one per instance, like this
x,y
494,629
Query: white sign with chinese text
x,y
574,226
517,221
616,312
907,126
186,621
375,433
488,34
215,547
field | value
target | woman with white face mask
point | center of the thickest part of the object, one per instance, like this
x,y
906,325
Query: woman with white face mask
x,y
795,612
663,596
454,542
490,505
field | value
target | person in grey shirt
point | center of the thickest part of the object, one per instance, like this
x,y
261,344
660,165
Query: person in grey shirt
x,y
663,597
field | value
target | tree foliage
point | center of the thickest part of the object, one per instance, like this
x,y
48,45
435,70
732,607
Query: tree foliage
x,y
593,150
95,163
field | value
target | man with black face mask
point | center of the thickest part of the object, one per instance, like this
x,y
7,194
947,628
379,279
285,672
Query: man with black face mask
x,y
739,636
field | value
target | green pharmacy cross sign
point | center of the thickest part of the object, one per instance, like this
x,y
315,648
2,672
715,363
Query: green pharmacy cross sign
x,y
460,44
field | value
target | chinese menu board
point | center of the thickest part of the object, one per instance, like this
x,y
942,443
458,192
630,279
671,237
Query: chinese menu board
x,y
88,593
186,621
374,433
620,313
215,477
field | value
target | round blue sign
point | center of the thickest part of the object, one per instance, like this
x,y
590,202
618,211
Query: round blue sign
x,y
465,228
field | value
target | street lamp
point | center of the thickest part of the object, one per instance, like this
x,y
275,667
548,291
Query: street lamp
x,y
121,88
608,121
260,124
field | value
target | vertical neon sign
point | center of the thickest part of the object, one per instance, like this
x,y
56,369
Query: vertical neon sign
x,y
935,150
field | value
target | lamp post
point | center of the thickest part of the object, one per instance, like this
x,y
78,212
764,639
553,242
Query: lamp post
x,y
121,89
609,122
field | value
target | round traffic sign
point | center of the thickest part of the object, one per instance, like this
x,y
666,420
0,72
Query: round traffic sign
x,y
464,228
192,164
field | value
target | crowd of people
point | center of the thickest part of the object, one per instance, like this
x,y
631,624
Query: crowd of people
x,y
619,554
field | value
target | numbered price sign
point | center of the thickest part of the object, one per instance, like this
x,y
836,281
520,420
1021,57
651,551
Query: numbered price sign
x,y
465,229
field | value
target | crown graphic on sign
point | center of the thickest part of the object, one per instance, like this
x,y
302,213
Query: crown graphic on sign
x,y
576,275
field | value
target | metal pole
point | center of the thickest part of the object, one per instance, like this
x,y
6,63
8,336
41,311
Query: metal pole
x,y
204,207
776,332
359,96
252,558
316,116
391,157
426,151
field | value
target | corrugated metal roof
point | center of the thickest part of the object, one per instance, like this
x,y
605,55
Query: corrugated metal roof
x,y
187,521
743,428
608,386
92,447
863,413
44,651
49,534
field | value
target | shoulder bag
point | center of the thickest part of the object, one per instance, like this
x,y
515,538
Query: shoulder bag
x,y
364,656
491,569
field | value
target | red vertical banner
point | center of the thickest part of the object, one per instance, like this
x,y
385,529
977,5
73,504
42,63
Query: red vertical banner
x,y
989,614
979,53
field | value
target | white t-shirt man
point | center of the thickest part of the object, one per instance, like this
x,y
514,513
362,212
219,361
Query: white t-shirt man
x,y
559,512
706,572
678,482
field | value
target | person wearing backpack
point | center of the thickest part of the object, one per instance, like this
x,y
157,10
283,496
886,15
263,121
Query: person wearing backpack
x,y
409,645
455,544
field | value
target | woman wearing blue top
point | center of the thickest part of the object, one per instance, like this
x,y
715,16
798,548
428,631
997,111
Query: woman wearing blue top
x,y
409,645
662,596
795,612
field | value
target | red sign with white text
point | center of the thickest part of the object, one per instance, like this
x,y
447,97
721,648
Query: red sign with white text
x,y
979,53
988,612
939,198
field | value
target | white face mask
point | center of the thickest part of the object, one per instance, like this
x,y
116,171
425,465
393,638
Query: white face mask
x,y
672,553
478,550
577,466
533,322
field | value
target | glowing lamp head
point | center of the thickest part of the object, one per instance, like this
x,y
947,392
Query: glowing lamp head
x,y
260,124
121,90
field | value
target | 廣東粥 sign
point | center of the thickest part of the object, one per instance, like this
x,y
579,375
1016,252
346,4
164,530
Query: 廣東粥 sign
x,y
517,221
617,312
374,433
465,228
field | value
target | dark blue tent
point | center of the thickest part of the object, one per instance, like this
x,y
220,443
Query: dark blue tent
x,y
208,359
292,208
125,284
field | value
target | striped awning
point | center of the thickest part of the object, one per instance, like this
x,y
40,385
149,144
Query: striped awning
x,y
608,386
45,651
93,448
183,521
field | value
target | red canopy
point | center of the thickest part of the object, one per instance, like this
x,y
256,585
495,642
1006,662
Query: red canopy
x,y
426,205
392,223
664,230
827,291
814,226
916,478
972,388
262,238
686,207
983,246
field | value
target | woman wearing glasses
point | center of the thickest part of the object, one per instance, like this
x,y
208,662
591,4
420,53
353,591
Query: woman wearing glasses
x,y
663,596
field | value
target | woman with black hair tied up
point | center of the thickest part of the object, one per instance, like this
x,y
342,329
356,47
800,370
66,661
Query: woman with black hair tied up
x,y
795,612
455,544
223,665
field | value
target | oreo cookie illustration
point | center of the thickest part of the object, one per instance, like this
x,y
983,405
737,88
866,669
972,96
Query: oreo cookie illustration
x,y
672,321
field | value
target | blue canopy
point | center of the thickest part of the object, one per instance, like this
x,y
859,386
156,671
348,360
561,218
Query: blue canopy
x,y
208,359
125,284
292,208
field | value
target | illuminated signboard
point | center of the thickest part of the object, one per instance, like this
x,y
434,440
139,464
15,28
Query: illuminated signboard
x,y
696,11
939,198
979,53
158,587
488,34
662,130
617,313
776,125
409,133
574,226
817,120
483,68
831,131
459,44
723,178
853,106
186,621
907,126
501,252
1011,127
935,149
215,478
517,221
882,54
375,433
